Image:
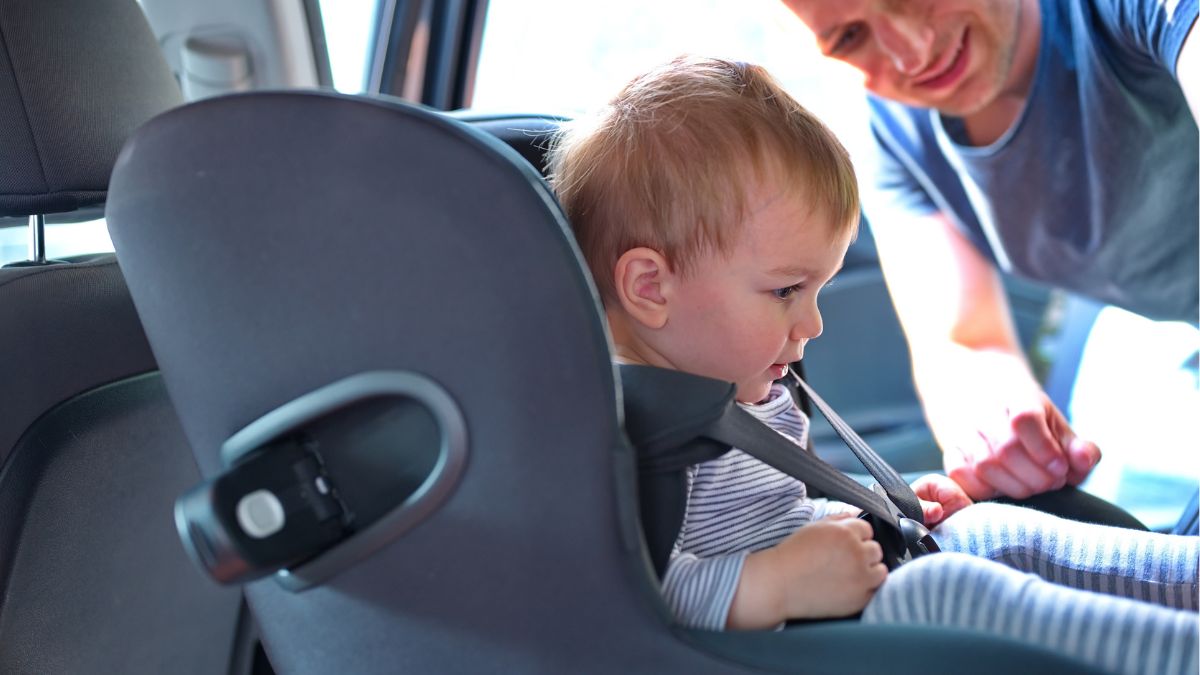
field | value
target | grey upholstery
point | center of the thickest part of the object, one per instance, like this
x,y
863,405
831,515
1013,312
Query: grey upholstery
x,y
327,236
95,578
69,329
92,577
75,79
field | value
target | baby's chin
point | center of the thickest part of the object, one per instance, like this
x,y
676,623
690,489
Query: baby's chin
x,y
753,393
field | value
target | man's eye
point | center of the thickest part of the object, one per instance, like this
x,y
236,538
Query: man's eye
x,y
785,293
849,39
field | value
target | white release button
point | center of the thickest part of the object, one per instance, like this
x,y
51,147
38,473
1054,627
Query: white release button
x,y
260,514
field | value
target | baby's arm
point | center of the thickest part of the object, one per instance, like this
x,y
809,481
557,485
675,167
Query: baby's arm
x,y
829,568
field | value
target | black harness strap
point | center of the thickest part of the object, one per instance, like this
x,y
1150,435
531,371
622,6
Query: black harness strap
x,y
897,490
676,420
747,433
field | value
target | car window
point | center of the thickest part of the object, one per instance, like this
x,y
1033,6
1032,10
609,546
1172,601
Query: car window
x,y
549,56
66,235
348,37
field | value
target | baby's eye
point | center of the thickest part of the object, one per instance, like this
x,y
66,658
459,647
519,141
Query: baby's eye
x,y
785,293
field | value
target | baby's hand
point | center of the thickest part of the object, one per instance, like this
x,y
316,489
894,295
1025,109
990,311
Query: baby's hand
x,y
940,497
829,568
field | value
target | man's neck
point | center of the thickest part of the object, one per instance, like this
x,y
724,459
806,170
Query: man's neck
x,y
987,125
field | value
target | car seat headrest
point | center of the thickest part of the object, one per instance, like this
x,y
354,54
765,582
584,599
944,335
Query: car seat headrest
x,y
529,135
76,78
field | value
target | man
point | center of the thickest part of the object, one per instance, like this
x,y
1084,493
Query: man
x,y
1049,138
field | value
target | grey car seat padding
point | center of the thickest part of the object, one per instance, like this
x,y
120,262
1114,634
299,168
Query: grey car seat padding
x,y
327,236
76,78
69,328
91,579
95,580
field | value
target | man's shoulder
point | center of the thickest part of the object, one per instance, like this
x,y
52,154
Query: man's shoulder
x,y
1131,33
887,109
904,131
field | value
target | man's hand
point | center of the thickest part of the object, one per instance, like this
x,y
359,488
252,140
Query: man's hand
x,y
829,568
940,498
998,431
1007,437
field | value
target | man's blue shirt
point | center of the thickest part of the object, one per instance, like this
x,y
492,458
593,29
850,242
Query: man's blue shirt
x,y
1094,188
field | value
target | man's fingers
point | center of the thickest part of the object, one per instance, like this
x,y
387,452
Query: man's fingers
x,y
1084,455
1033,431
972,483
1004,481
1081,455
1016,460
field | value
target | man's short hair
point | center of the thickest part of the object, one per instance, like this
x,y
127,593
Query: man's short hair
x,y
669,162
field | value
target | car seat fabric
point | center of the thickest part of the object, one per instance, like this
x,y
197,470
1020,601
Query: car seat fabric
x,y
76,78
95,578
69,328
312,237
92,578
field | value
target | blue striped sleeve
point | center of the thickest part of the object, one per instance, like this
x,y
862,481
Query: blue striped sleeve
x,y
700,591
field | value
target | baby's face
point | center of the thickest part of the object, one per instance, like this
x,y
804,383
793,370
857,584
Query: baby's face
x,y
745,316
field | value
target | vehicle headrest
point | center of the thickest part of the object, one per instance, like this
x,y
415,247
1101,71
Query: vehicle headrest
x,y
76,78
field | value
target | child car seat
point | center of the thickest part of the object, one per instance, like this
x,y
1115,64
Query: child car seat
x,y
380,314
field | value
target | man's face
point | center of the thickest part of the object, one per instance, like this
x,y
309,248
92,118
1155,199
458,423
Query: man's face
x,y
953,55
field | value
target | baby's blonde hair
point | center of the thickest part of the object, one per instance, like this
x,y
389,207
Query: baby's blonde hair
x,y
669,162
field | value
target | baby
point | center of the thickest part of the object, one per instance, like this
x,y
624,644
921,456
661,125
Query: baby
x,y
711,209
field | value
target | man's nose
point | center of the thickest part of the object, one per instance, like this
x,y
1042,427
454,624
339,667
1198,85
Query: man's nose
x,y
907,41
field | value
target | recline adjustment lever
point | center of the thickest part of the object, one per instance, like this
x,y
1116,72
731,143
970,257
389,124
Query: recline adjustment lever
x,y
274,509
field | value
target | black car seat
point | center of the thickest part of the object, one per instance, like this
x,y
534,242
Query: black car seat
x,y
379,312
92,578
529,135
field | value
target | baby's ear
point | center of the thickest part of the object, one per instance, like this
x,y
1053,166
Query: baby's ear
x,y
642,278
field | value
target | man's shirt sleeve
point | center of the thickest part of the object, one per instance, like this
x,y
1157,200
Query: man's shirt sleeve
x,y
887,185
1156,28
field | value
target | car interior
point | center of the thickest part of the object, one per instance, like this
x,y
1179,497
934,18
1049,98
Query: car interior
x,y
91,446
374,293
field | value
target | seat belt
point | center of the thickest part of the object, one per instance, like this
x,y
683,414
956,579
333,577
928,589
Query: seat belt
x,y
892,483
688,438
901,537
